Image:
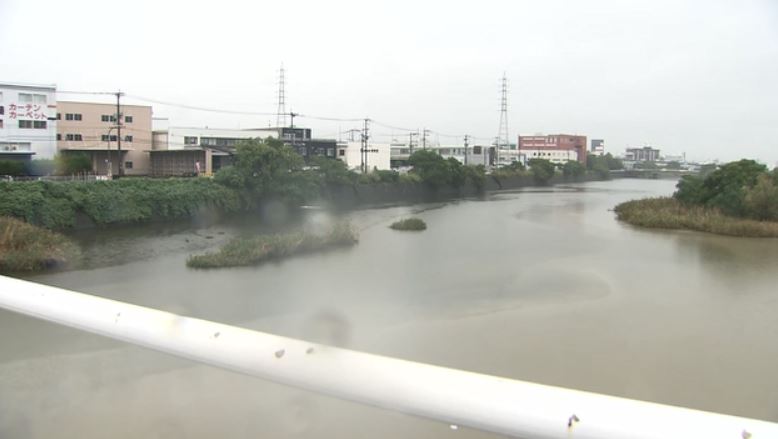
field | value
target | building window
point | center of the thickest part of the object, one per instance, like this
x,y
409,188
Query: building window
x,y
342,152
106,138
128,138
28,98
59,136
127,165
39,124
59,116
2,110
25,124
74,137
128,119
1,123
190,140
108,118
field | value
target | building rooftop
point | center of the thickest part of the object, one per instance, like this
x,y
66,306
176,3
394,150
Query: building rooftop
x,y
107,104
169,127
52,87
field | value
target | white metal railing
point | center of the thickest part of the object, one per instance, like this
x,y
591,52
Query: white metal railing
x,y
456,397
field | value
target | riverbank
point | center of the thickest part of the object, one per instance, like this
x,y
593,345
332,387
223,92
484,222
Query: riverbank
x,y
76,205
25,248
669,213
86,205
361,194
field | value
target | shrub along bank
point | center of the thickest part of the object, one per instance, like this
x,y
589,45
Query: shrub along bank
x,y
739,199
58,205
258,249
412,224
24,247
669,213
263,170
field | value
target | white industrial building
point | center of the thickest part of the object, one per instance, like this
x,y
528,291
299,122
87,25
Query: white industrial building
x,y
178,138
474,155
28,122
378,155
191,150
509,156
557,156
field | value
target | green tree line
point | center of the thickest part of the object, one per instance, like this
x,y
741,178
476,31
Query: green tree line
x,y
741,189
261,170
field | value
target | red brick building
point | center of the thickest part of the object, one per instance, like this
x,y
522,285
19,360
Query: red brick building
x,y
557,148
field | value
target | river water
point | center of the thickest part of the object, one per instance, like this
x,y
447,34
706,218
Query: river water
x,y
539,284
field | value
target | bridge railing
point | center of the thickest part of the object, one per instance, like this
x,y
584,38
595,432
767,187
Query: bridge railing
x,y
456,397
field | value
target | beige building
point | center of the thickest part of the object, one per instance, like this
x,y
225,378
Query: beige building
x,y
91,128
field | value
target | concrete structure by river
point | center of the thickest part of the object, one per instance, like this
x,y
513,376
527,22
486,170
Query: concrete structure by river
x,y
540,284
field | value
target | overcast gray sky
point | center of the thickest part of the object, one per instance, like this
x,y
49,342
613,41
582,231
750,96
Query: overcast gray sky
x,y
699,77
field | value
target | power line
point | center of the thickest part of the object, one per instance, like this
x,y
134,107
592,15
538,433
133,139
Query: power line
x,y
453,136
331,119
197,108
393,127
280,113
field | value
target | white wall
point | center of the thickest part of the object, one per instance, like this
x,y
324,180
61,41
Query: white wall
x,y
175,138
378,157
41,141
508,156
458,152
552,155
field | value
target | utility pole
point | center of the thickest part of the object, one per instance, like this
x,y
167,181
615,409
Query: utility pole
x,y
364,148
466,145
292,115
424,138
410,142
119,94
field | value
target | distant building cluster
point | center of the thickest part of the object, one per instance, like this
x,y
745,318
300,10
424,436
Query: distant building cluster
x,y
129,140
644,154
598,147
557,148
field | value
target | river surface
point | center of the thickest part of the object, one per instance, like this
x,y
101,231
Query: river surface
x,y
540,284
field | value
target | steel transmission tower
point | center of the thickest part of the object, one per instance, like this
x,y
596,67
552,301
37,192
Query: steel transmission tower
x,y
503,137
281,113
